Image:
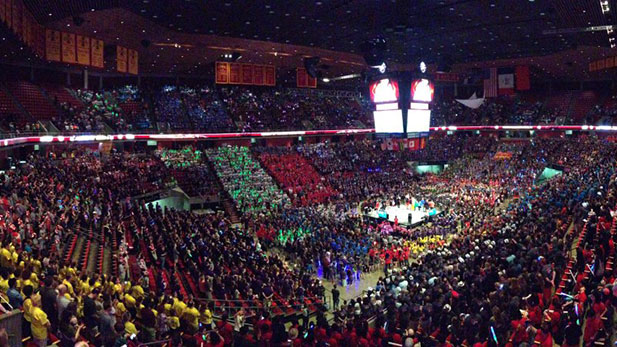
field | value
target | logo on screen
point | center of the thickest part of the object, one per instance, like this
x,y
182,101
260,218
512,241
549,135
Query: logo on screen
x,y
422,90
384,91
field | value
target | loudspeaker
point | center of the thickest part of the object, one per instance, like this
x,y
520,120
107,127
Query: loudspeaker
x,y
78,21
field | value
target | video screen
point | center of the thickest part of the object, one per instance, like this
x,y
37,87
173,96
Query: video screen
x,y
418,121
385,90
388,121
422,90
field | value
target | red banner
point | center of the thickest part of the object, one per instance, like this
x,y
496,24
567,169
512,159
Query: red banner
x,y
26,28
52,45
16,16
609,62
39,40
121,59
247,74
83,50
68,48
270,74
600,64
221,72
133,62
96,53
522,78
235,73
258,75
8,5
301,78
446,77
3,11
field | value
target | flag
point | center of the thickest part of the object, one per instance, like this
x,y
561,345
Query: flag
x,y
522,78
506,81
490,84
473,102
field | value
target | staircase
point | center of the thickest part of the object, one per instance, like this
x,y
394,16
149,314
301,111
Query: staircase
x,y
230,209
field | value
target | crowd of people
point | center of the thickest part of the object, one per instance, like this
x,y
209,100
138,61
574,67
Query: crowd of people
x,y
281,109
508,262
500,111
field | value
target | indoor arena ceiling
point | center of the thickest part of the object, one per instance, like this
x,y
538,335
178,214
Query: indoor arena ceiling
x,y
450,31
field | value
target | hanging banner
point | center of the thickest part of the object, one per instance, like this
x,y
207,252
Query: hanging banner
x,y
83,50
121,59
52,45
133,62
221,71
311,82
247,74
96,53
235,73
301,78
270,75
8,7
3,11
68,48
445,77
39,40
26,28
258,75
16,16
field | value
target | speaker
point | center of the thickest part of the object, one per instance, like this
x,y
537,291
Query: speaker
x,y
145,43
78,21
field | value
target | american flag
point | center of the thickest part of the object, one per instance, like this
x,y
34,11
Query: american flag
x,y
490,85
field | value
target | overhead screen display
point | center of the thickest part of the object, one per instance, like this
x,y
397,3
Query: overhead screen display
x,y
388,121
418,121
384,90
422,90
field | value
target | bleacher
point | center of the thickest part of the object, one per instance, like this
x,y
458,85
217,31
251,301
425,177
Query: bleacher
x,y
33,100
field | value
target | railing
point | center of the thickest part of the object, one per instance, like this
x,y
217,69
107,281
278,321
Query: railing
x,y
11,322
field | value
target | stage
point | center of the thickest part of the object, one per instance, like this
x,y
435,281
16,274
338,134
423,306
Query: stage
x,y
403,214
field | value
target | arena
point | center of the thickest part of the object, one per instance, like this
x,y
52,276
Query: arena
x,y
308,173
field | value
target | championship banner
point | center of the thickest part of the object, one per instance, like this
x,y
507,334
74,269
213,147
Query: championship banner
x,y
96,53
68,48
3,11
39,40
26,28
133,62
52,45
609,62
600,64
270,75
235,73
121,59
301,78
247,74
83,50
8,12
311,82
258,75
445,77
221,72
16,16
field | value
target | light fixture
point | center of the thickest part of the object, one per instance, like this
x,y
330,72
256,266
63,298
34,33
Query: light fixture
x,y
382,67
422,67
605,6
325,79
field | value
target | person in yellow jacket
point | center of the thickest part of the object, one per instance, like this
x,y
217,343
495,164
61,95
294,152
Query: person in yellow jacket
x,y
40,323
27,307
191,315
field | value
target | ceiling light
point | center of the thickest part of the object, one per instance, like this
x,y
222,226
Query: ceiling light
x,y
325,79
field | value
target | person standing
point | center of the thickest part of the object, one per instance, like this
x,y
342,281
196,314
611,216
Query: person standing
x,y
336,294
